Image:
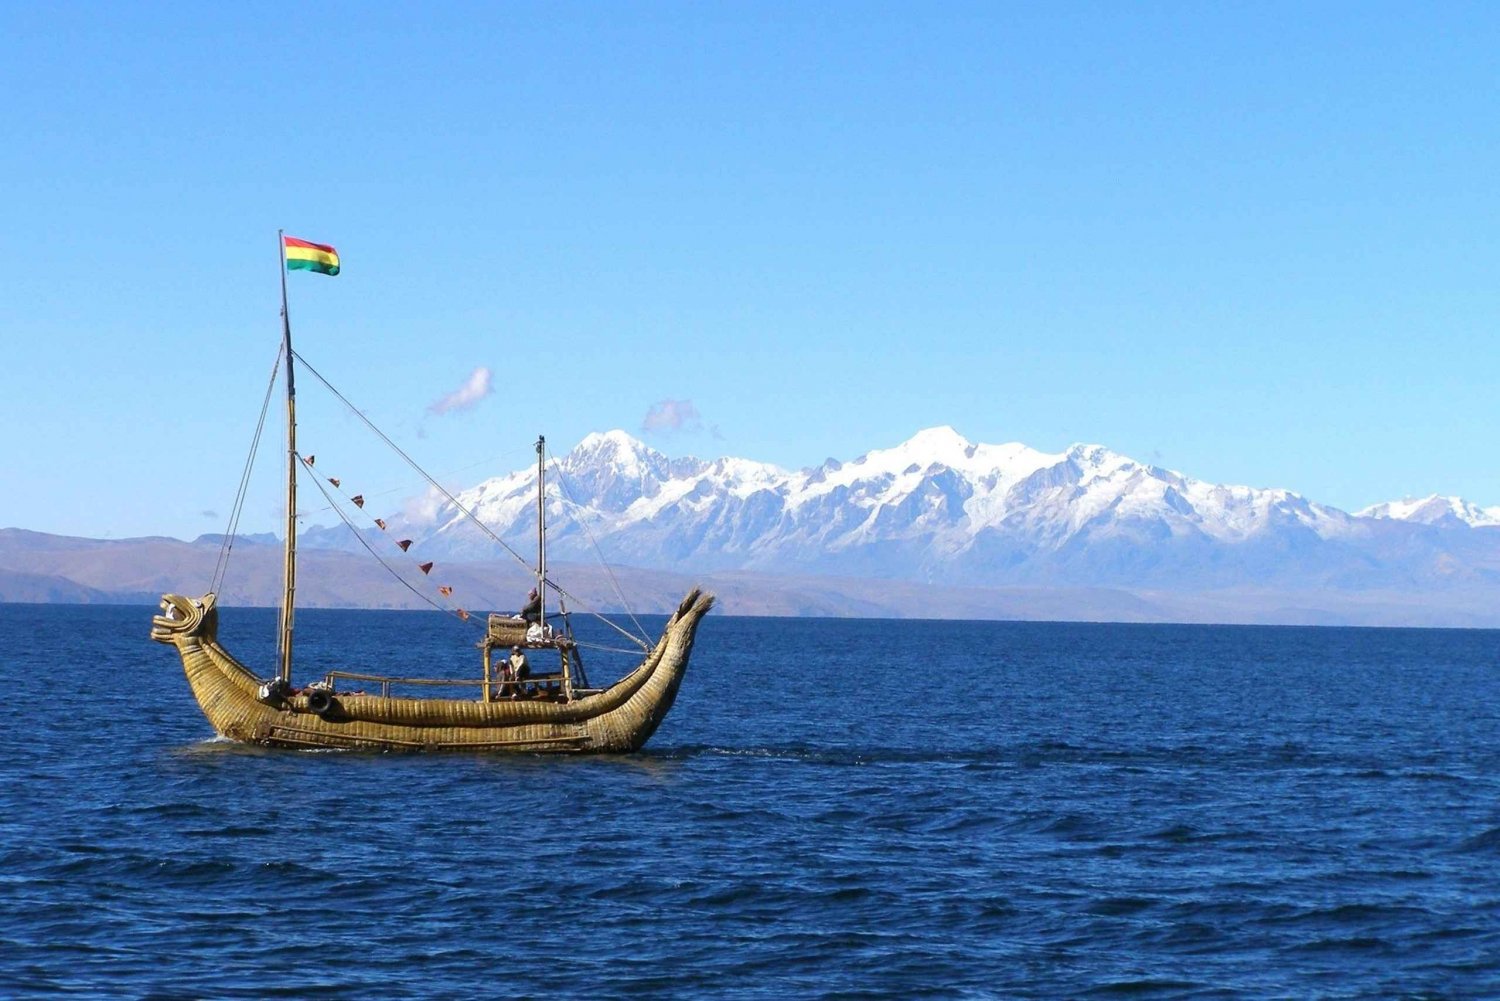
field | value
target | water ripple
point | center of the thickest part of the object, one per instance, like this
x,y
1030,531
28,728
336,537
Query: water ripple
x,y
1090,812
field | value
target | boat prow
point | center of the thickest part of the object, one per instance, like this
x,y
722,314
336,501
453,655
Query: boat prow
x,y
243,707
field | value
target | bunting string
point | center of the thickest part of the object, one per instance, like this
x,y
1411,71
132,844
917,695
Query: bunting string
x,y
412,462
643,644
358,500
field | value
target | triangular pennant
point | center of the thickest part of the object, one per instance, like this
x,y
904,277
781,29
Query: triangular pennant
x,y
425,567
311,459
445,590
359,500
405,544
463,615
380,524
334,480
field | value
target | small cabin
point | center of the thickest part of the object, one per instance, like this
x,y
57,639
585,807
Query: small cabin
x,y
504,632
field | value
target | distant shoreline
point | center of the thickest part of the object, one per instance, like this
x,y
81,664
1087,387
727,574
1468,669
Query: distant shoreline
x,y
36,568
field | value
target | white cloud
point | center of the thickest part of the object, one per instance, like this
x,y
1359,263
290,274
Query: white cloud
x,y
671,416
467,396
423,509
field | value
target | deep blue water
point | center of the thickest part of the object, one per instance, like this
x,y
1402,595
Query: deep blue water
x,y
845,808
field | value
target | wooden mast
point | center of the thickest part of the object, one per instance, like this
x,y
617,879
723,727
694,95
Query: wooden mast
x,y
541,529
541,556
289,570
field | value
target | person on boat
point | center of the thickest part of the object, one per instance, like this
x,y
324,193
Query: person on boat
x,y
532,611
516,670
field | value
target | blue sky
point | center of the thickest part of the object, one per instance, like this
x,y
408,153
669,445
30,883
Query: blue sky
x,y
1251,242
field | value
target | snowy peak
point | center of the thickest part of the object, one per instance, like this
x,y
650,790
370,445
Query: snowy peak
x,y
945,448
941,444
941,507
1435,510
616,450
1098,458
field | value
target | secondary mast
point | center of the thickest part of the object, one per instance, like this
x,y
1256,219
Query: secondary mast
x,y
541,529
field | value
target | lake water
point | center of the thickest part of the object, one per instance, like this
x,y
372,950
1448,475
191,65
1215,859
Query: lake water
x,y
833,808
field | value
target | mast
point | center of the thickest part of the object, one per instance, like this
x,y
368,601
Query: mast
x,y
289,570
541,528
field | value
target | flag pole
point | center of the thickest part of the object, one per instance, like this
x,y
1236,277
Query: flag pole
x,y
289,571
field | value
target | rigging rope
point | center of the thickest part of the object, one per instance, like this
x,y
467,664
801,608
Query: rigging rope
x,y
406,487
481,597
568,496
226,544
379,559
547,582
413,464
605,649
642,644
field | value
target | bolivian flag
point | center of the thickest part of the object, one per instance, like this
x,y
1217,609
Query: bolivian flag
x,y
304,256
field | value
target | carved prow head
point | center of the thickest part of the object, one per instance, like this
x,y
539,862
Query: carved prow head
x,y
185,618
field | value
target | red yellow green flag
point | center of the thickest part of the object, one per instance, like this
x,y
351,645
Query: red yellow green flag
x,y
304,256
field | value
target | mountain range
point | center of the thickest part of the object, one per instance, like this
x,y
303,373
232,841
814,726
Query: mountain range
x,y
941,509
936,526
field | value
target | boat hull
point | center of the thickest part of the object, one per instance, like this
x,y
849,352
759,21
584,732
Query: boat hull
x,y
618,719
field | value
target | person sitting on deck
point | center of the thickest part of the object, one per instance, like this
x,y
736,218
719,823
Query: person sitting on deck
x,y
515,671
532,612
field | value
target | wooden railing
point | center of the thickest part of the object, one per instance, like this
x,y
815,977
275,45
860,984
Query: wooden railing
x,y
386,682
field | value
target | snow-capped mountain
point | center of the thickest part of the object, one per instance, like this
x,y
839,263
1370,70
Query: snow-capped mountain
x,y
939,507
1435,510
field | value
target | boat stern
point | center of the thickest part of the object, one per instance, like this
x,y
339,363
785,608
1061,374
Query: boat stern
x,y
628,727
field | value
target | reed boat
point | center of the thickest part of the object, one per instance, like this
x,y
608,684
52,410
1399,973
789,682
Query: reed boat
x,y
244,707
507,707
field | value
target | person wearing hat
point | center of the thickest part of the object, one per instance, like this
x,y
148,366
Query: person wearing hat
x,y
516,670
532,611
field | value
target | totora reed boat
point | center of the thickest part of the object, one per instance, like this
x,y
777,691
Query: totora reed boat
x,y
510,708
